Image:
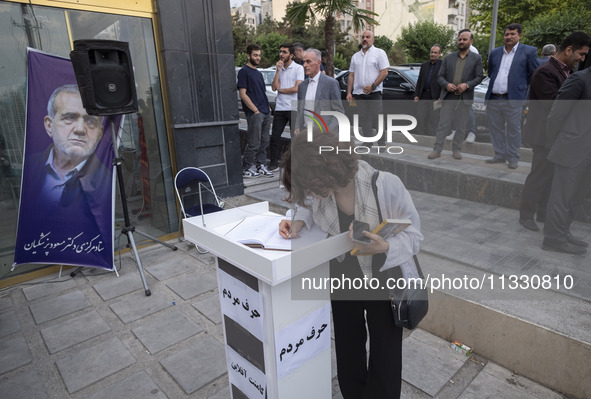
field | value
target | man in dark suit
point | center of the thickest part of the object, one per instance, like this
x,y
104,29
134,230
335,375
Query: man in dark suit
x,y
569,130
318,93
428,91
510,68
544,86
460,72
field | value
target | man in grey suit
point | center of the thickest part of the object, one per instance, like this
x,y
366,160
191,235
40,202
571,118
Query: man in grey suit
x,y
460,72
568,132
318,93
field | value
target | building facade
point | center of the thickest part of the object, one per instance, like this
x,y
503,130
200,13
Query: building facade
x,y
182,55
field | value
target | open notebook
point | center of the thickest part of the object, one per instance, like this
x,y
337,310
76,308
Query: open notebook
x,y
262,231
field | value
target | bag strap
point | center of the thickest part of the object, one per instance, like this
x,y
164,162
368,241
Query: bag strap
x,y
374,185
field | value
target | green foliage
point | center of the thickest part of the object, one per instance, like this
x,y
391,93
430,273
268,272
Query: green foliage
x,y
340,61
554,27
268,25
242,34
509,11
383,42
396,55
240,59
270,43
417,39
481,44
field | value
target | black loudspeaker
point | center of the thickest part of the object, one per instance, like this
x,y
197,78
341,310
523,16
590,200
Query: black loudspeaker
x,y
105,76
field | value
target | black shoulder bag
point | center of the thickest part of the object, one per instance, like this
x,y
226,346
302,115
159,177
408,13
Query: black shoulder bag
x,y
410,303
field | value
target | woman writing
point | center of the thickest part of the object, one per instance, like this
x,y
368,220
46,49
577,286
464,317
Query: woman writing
x,y
331,189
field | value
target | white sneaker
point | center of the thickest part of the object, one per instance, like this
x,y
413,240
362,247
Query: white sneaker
x,y
471,138
263,171
250,173
451,136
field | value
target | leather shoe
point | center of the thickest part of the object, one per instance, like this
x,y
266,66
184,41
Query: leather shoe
x,y
529,224
576,241
434,154
563,246
494,160
457,155
512,165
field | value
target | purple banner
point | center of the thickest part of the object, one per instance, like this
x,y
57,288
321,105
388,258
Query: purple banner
x,y
66,204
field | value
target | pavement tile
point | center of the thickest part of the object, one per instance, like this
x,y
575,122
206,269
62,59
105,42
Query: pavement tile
x,y
71,332
52,308
210,307
92,364
26,385
499,383
197,365
9,323
223,393
41,290
137,386
14,353
5,302
190,286
431,356
139,306
172,266
166,330
113,286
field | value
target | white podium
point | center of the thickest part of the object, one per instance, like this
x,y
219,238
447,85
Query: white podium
x,y
277,347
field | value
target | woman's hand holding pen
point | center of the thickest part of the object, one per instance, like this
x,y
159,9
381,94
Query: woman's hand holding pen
x,y
376,246
290,229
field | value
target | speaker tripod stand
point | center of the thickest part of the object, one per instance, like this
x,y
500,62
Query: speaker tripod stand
x,y
129,228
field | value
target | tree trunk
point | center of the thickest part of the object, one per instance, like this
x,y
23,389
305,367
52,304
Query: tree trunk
x,y
329,43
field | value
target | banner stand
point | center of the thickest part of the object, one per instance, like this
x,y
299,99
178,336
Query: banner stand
x,y
128,229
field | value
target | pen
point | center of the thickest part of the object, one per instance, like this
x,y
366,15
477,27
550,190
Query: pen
x,y
292,219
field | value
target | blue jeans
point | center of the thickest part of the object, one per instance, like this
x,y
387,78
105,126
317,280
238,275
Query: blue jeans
x,y
504,119
257,139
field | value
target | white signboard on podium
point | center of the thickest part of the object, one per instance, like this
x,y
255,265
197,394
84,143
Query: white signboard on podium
x,y
260,316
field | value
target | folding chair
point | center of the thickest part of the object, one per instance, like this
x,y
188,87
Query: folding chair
x,y
185,182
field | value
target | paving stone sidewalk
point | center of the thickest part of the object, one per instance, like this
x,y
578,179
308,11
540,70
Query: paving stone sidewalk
x,y
98,336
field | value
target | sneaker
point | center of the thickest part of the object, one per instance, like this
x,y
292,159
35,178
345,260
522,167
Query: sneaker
x,y
263,171
250,173
273,167
471,138
451,136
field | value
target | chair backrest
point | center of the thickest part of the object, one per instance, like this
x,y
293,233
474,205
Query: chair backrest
x,y
188,175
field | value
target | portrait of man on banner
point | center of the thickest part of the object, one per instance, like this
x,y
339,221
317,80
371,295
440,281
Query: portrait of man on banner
x,y
66,205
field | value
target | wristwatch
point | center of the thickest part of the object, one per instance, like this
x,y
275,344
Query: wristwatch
x,y
373,86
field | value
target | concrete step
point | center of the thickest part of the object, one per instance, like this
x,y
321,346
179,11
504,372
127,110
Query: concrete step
x,y
542,332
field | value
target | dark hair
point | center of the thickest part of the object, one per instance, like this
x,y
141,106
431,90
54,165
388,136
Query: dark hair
x,y
438,45
466,30
307,170
288,46
576,40
252,47
299,45
514,26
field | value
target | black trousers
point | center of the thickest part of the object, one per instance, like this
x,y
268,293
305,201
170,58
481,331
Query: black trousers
x,y
534,198
569,187
427,117
280,120
381,378
369,107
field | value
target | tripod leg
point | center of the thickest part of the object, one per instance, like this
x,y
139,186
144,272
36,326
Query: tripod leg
x,y
139,262
155,239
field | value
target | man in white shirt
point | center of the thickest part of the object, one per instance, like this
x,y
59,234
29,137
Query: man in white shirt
x,y
510,68
369,68
287,78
